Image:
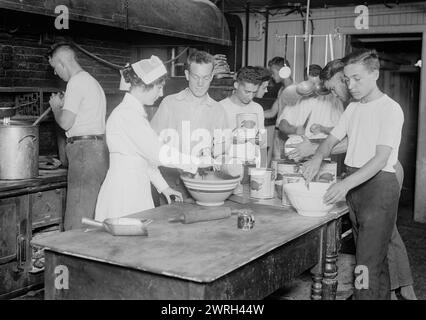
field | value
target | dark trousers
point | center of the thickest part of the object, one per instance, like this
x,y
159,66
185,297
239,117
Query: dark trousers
x,y
399,265
373,210
88,162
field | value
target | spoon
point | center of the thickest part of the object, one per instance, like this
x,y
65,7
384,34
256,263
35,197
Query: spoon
x,y
44,114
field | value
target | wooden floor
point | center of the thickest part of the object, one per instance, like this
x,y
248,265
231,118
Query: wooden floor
x,y
300,289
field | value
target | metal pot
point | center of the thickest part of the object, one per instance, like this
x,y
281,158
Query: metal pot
x,y
19,148
7,110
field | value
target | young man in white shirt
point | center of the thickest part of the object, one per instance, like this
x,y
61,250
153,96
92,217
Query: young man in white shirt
x,y
399,265
81,113
241,101
373,125
188,113
275,137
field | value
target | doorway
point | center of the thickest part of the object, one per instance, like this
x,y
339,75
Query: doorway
x,y
400,80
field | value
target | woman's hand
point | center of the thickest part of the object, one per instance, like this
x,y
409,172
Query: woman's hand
x,y
171,192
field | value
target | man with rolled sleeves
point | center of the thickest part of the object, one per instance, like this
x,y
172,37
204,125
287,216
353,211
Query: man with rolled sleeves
x,y
81,113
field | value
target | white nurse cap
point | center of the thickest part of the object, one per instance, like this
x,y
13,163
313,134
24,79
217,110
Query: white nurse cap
x,y
148,70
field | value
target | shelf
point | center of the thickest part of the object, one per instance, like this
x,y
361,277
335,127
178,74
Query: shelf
x,y
27,89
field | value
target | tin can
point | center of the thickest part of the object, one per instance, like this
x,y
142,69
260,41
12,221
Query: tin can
x,y
274,167
261,183
290,178
327,172
246,171
245,221
286,168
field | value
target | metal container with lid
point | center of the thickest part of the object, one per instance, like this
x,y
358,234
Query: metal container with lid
x,y
19,149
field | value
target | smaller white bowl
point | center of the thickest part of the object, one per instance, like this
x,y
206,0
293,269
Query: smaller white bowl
x,y
308,203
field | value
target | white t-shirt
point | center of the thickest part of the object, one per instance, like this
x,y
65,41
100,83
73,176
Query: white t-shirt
x,y
326,111
233,109
323,110
248,150
297,114
85,97
367,125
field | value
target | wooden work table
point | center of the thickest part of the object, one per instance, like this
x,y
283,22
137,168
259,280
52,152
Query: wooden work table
x,y
204,260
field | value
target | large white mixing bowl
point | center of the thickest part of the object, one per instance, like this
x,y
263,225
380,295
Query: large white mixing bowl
x,y
308,202
213,190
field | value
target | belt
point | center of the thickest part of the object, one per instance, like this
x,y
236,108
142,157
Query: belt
x,y
88,137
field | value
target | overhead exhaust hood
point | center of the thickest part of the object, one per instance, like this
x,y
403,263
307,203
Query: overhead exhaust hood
x,y
198,20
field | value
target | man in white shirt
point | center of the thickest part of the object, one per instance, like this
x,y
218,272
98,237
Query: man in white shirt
x,y
190,113
399,266
284,98
81,113
373,125
237,106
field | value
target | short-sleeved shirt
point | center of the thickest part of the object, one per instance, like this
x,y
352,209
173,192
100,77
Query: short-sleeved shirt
x,y
233,109
185,113
85,98
296,114
367,125
326,111
323,110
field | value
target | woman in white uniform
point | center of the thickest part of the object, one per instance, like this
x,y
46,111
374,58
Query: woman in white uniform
x,y
135,148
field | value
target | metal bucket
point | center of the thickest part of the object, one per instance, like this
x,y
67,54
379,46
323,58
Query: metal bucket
x,y
261,183
19,148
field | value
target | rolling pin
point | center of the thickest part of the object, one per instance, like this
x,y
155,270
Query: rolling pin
x,y
209,214
203,215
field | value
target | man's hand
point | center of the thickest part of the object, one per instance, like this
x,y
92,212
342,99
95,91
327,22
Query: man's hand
x,y
311,168
316,128
171,192
302,150
56,101
337,192
300,131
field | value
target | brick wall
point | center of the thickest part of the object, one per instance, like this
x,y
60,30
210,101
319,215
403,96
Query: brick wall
x,y
23,62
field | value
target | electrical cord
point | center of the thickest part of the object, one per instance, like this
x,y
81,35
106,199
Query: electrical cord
x,y
113,65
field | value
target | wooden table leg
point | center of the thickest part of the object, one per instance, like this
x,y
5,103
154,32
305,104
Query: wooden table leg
x,y
329,281
318,270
